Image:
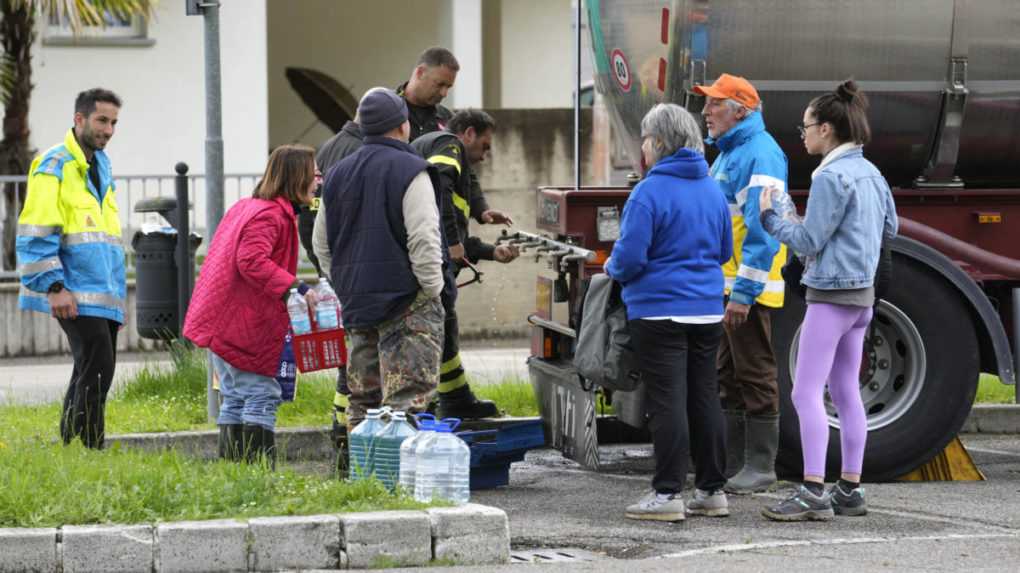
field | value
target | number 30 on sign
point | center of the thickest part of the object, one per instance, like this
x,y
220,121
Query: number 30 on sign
x,y
621,69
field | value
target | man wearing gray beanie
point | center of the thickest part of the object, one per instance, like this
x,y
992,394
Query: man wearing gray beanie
x,y
385,259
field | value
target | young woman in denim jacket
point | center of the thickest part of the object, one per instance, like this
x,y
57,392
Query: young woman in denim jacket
x,y
850,209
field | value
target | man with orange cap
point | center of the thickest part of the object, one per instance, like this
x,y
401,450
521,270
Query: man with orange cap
x,y
749,160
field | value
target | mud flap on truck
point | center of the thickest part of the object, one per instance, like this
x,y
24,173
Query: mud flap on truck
x,y
567,410
570,415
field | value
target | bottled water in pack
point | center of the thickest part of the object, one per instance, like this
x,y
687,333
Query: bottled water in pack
x,y
297,308
327,310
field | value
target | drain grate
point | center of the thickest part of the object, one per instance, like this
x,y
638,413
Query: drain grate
x,y
553,555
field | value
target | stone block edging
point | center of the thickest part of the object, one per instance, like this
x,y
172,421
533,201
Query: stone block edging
x,y
993,419
317,444
468,534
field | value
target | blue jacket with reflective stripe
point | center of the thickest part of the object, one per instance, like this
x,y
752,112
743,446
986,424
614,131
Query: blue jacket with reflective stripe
x,y
69,231
750,159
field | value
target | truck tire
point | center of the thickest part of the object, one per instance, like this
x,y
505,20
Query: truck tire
x,y
919,375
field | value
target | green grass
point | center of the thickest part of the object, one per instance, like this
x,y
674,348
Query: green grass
x,y
512,396
992,391
47,485
167,399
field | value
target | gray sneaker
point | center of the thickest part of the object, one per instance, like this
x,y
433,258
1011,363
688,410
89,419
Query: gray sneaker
x,y
657,507
801,506
712,504
848,502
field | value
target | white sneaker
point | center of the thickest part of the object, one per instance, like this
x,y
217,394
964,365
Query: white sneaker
x,y
657,507
712,504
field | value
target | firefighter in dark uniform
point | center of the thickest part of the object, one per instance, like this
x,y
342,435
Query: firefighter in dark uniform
x,y
465,142
348,140
432,78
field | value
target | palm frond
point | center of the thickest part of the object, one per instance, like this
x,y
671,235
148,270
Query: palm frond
x,y
8,78
82,13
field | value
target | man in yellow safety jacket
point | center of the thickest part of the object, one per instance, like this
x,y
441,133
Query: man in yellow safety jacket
x,y
749,160
71,260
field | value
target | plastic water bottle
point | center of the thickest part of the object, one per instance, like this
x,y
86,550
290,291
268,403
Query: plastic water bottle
x,y
362,444
327,310
387,449
297,308
408,460
783,205
444,466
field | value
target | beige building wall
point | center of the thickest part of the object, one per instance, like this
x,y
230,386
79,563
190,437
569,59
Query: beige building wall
x,y
530,148
536,54
361,44
163,89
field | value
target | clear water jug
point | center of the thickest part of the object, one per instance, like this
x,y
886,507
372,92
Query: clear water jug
x,y
362,444
297,308
408,460
327,310
443,466
387,449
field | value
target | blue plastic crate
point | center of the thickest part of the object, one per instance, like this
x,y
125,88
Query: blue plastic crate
x,y
492,451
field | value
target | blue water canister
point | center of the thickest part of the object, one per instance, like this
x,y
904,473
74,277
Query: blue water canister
x,y
408,460
443,466
297,308
362,444
327,310
387,449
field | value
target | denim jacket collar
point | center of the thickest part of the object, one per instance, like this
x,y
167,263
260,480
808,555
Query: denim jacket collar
x,y
835,154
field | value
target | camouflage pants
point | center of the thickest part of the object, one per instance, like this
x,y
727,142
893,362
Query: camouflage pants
x,y
396,363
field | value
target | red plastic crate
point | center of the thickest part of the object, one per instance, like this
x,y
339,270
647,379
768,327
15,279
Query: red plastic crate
x,y
319,350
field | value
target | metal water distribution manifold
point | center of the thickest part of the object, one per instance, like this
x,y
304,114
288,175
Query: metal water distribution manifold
x,y
560,254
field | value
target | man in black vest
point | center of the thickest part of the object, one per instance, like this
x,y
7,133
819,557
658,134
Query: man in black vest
x,y
386,248
454,151
346,141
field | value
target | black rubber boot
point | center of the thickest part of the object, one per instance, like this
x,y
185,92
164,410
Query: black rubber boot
x,y
462,403
340,442
760,444
259,443
231,442
735,430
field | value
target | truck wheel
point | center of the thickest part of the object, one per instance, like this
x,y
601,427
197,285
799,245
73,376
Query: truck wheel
x,y
918,378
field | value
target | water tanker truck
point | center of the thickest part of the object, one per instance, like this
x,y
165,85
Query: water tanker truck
x,y
943,78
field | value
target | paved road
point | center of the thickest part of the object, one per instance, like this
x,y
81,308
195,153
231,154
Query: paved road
x,y
565,518
34,380
557,508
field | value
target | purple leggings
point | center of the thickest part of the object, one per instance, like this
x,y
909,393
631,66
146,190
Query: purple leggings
x,y
831,349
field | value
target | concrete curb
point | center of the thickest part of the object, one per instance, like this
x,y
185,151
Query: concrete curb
x,y
317,443
468,534
291,443
993,419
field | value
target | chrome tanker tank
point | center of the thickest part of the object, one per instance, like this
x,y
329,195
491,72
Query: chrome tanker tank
x,y
943,76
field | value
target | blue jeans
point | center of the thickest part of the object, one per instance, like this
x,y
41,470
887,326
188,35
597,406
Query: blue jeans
x,y
248,398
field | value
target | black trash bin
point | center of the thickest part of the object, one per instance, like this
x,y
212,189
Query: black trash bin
x,y
156,273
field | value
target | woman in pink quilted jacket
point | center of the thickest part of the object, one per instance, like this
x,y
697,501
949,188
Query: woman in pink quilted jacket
x,y
238,310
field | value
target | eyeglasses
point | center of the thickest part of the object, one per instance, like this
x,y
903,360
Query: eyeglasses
x,y
804,127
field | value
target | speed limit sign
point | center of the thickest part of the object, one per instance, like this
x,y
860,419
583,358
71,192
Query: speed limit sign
x,y
621,70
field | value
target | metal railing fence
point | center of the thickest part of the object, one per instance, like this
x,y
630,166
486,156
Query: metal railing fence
x,y
133,188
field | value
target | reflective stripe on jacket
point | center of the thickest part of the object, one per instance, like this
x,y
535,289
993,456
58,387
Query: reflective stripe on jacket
x,y
750,160
69,231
